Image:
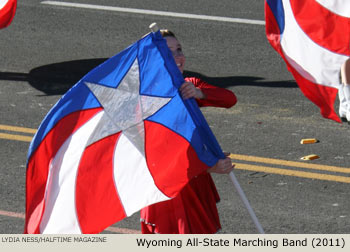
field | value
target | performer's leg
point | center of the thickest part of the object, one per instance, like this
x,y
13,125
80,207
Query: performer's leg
x,y
343,103
347,97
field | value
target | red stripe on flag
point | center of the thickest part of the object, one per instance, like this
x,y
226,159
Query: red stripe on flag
x,y
322,26
7,13
273,32
97,201
170,174
322,96
38,165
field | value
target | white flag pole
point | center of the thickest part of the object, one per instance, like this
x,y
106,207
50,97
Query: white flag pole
x,y
246,203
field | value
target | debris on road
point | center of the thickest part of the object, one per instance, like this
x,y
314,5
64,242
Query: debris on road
x,y
310,157
308,141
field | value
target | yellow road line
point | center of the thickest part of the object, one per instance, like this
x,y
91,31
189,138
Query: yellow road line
x,y
17,129
240,166
289,163
16,137
302,174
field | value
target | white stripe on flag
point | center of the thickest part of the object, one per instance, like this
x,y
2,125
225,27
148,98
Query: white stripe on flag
x,y
133,180
340,7
312,61
60,210
3,3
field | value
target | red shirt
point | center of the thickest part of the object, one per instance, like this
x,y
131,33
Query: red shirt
x,y
215,96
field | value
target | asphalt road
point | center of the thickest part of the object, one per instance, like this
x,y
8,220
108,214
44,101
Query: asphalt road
x,y
48,48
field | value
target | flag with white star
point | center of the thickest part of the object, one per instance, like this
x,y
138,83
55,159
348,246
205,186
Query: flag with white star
x,y
121,139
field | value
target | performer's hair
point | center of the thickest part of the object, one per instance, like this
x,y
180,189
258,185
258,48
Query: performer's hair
x,y
167,33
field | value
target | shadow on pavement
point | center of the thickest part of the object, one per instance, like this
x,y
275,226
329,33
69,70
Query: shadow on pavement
x,y
58,78
231,81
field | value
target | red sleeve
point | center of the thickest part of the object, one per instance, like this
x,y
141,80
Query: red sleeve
x,y
215,96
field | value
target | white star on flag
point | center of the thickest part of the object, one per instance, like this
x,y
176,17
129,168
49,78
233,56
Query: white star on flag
x,y
125,109
121,139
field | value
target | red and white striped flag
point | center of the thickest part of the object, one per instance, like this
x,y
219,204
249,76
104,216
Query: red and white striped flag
x,y
313,38
119,140
7,12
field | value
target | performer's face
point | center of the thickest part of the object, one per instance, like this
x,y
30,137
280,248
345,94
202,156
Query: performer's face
x,y
176,49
